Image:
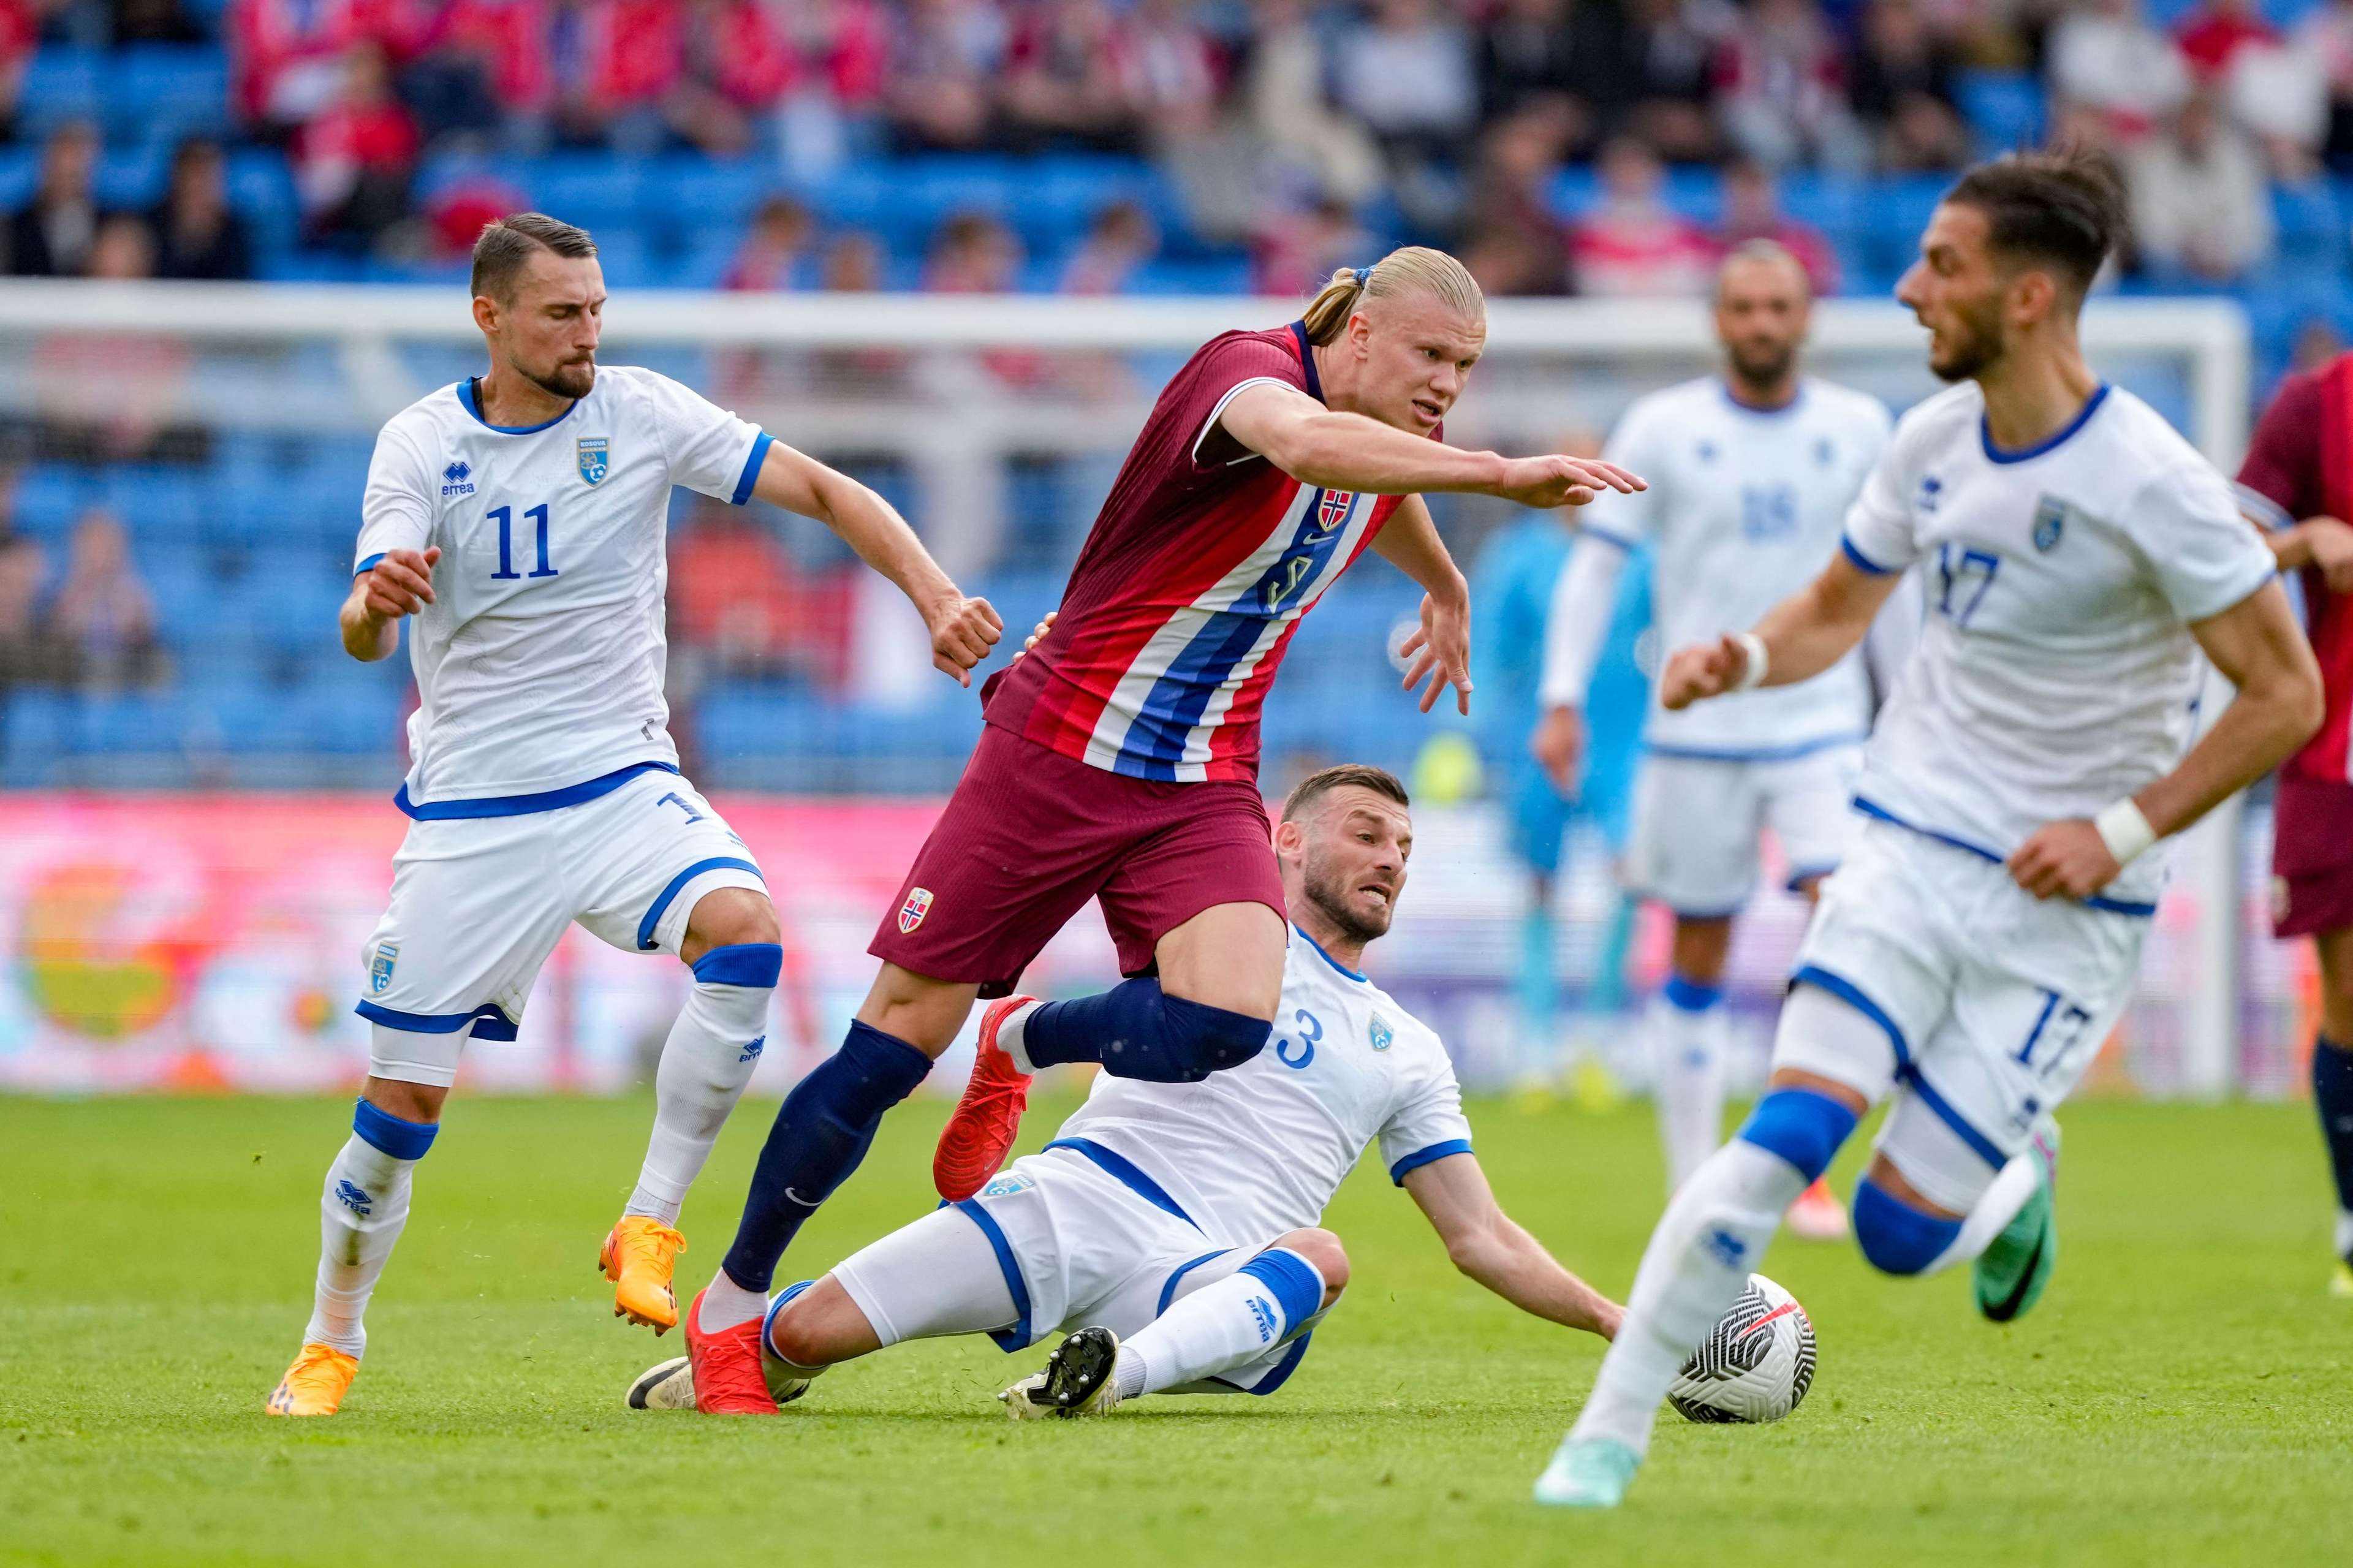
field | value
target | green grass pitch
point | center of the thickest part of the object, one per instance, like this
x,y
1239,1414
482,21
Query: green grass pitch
x,y
2183,1394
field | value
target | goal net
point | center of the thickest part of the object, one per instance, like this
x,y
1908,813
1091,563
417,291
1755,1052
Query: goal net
x,y
226,428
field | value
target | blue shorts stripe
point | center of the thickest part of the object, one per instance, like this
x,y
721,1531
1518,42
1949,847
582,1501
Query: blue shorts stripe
x,y
489,1021
1017,1336
1605,536
523,804
2119,907
1879,812
1122,1171
1979,1145
750,477
1424,1156
1847,992
668,894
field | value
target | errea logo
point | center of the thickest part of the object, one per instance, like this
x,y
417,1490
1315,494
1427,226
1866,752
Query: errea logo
x,y
457,479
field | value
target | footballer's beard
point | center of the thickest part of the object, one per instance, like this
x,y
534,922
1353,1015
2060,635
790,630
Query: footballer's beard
x,y
1972,346
1328,891
573,378
1762,367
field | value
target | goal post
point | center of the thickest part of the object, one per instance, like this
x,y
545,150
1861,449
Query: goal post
x,y
957,392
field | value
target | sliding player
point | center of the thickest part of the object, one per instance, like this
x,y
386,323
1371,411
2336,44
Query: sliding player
x,y
1751,474
1980,939
1177,1228
2298,483
1120,760
520,517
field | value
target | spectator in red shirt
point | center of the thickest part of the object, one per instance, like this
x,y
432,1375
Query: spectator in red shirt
x,y
1632,242
2211,36
737,69
1063,80
353,163
286,60
615,62
484,67
1752,210
20,34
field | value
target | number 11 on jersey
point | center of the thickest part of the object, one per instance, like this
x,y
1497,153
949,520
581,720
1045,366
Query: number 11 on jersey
x,y
504,518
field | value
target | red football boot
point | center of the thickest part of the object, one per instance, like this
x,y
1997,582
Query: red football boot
x,y
727,1377
988,1118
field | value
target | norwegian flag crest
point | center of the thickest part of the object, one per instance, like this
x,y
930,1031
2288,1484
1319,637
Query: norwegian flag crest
x,y
1333,510
911,913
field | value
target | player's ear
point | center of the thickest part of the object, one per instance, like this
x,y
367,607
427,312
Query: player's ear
x,y
1290,838
486,313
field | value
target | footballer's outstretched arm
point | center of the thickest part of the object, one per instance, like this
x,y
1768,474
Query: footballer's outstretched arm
x,y
1803,634
1317,446
1487,1245
1440,647
2261,650
963,629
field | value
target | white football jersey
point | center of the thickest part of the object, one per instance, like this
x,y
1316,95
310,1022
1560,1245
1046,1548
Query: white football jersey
x,y
1742,509
539,663
1260,1149
2056,673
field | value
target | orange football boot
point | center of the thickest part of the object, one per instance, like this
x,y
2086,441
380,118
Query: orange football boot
x,y
637,1258
987,1120
728,1380
316,1384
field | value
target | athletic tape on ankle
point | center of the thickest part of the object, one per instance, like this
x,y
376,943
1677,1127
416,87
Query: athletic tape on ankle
x,y
381,1130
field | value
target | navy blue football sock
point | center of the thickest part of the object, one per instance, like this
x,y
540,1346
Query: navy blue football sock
x,y
1135,1031
2332,1097
822,1133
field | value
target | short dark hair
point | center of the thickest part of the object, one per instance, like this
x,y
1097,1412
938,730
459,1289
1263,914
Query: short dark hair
x,y
507,244
2065,208
1364,775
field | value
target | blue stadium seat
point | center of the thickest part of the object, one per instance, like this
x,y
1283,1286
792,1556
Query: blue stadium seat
x,y
20,173
690,196
2005,109
132,178
261,189
594,191
2312,222
62,83
50,496
162,92
35,733
154,502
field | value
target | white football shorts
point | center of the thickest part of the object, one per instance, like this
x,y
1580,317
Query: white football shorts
x,y
478,904
1989,1003
1693,844
1079,1244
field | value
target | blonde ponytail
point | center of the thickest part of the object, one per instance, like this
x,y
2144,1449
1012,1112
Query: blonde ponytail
x,y
1411,269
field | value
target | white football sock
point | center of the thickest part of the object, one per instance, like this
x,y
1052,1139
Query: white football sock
x,y
1221,1325
2012,1185
362,1210
1711,1238
705,1064
1009,1035
726,1304
2345,1235
1687,1049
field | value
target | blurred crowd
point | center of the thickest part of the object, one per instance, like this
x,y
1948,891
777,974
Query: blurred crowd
x,y
1290,128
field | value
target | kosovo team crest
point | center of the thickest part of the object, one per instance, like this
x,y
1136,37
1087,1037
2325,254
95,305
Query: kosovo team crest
x,y
595,459
911,913
1383,1035
2049,521
380,969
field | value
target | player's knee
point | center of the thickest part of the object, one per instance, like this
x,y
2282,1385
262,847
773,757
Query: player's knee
x,y
1896,1238
733,917
1802,1127
798,1335
1181,1041
1323,1249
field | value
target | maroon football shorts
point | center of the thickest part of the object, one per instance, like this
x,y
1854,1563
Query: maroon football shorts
x,y
1032,835
2312,856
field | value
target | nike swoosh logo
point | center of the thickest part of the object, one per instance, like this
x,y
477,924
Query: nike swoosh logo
x,y
2007,1309
804,1202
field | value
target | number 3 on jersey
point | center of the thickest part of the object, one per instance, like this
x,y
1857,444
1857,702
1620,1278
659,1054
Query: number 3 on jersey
x,y
504,517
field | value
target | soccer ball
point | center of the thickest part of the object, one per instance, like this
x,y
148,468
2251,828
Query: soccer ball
x,y
1755,1365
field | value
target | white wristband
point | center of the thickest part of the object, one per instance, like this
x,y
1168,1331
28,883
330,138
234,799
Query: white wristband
x,y
1752,675
2125,830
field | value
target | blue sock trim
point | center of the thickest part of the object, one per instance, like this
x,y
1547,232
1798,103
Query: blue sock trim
x,y
1298,1288
751,963
379,1129
768,1318
1689,995
2332,1100
1282,1373
1896,1238
1802,1126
